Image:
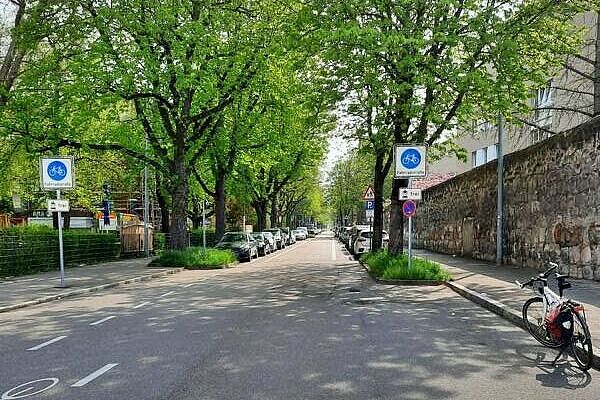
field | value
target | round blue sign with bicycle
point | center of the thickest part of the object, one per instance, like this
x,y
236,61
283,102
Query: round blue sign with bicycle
x,y
57,170
410,158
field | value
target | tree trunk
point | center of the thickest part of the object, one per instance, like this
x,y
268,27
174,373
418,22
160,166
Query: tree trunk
x,y
164,207
220,198
178,231
397,218
196,215
260,206
597,68
274,212
376,240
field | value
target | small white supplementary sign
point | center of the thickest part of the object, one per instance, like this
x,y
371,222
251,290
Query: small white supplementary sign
x,y
410,194
58,205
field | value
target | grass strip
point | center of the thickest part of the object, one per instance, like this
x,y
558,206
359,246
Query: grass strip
x,y
385,266
195,258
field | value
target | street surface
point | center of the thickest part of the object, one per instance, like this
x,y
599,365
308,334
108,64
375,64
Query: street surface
x,y
303,323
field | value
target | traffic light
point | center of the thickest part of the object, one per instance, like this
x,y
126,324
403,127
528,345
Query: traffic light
x,y
106,189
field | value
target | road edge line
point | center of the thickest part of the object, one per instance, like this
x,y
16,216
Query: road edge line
x,y
47,299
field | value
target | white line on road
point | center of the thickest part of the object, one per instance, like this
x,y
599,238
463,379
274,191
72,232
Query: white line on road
x,y
102,320
188,285
333,255
39,346
141,305
166,294
93,375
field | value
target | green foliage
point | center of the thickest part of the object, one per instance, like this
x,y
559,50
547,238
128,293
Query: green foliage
x,y
195,258
34,249
385,266
196,237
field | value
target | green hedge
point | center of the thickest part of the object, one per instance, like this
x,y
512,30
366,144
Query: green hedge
x,y
161,240
34,249
385,266
195,258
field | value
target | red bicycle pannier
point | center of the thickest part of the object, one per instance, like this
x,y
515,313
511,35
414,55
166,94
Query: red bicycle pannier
x,y
559,323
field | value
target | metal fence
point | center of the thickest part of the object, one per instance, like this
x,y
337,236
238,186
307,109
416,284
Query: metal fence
x,y
30,253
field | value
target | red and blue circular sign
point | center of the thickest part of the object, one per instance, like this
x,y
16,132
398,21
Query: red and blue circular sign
x,y
409,208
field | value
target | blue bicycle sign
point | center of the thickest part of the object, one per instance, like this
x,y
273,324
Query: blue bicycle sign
x,y
56,173
57,170
410,161
410,158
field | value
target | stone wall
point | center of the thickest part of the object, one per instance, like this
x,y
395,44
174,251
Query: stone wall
x,y
552,207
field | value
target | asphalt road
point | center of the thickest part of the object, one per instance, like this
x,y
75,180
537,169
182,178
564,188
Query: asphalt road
x,y
303,323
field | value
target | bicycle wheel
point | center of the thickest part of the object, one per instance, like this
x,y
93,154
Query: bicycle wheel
x,y
581,342
533,317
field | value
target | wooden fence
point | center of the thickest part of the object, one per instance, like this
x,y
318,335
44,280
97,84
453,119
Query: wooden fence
x,y
132,239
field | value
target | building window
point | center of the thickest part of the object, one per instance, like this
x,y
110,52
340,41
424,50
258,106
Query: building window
x,y
479,157
491,153
544,99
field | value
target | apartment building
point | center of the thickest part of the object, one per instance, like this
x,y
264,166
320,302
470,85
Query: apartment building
x,y
566,101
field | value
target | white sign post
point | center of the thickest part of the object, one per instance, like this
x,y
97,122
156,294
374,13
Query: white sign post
x,y
410,161
56,173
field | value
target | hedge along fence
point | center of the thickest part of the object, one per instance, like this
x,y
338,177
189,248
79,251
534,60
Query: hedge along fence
x,y
24,251
161,240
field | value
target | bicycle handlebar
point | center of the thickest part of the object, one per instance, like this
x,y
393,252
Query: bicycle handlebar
x,y
544,275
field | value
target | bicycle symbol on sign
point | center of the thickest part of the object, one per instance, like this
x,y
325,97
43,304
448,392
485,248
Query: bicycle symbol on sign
x,y
411,159
57,170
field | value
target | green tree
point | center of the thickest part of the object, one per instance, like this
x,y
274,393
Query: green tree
x,y
175,66
437,62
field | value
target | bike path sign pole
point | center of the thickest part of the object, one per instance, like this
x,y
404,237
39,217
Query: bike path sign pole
x,y
63,278
57,173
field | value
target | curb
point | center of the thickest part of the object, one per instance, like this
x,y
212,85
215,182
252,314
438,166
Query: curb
x,y
77,292
503,311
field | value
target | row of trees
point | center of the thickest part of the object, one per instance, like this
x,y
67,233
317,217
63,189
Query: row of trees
x,y
413,71
210,95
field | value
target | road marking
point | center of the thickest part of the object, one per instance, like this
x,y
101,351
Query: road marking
x,y
166,294
188,285
141,305
333,255
39,346
93,375
8,395
102,320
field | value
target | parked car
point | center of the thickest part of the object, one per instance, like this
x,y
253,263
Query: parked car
x,y
271,240
279,240
299,234
290,237
262,243
354,235
312,232
303,228
363,241
240,243
345,234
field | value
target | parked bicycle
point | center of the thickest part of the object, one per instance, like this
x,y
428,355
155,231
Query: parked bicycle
x,y
557,322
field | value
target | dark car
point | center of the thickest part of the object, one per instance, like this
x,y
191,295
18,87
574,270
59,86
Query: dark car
x,y
279,242
240,243
262,243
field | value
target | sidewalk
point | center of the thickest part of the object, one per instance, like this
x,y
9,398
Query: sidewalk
x,y
43,287
498,284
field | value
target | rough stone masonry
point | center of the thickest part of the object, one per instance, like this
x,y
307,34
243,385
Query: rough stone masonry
x,y
552,207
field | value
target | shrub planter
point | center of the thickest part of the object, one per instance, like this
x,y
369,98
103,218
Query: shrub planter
x,y
401,282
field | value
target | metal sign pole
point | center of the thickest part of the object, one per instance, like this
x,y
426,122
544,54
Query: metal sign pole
x,y
500,206
410,231
410,242
146,204
370,230
203,225
63,282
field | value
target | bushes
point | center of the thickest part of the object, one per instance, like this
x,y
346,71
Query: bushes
x,y
195,258
35,249
385,266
